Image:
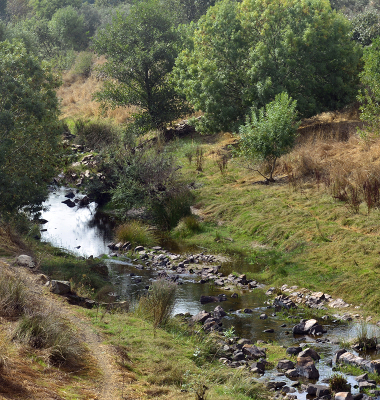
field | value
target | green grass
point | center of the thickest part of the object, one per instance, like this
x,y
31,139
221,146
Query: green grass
x,y
171,360
300,237
136,233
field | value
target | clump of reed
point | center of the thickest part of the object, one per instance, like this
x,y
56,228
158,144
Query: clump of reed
x,y
136,233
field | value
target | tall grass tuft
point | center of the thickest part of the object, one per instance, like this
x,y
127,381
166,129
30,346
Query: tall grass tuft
x,y
45,330
187,226
338,383
14,296
136,233
158,304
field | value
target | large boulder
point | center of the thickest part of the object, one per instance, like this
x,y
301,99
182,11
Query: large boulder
x,y
253,352
309,326
311,353
60,287
285,364
305,367
25,261
201,317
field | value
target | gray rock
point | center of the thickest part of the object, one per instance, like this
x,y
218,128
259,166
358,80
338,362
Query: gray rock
x,y
138,249
285,364
25,261
311,353
253,352
201,317
305,367
283,302
219,312
294,350
60,287
292,373
263,316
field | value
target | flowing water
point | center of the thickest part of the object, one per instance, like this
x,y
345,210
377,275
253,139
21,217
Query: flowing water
x,y
86,232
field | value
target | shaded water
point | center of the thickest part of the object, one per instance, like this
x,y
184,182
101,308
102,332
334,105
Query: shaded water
x,y
69,228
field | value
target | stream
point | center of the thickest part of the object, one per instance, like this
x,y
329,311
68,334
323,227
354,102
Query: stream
x,y
86,232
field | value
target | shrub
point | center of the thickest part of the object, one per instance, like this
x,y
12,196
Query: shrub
x,y
45,330
136,233
83,64
271,132
95,135
158,304
187,226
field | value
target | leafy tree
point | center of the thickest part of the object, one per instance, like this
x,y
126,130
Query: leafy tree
x,y
369,95
69,29
17,8
366,27
47,8
243,54
141,49
270,132
29,128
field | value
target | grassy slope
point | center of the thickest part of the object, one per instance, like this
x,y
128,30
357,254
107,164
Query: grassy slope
x,y
300,236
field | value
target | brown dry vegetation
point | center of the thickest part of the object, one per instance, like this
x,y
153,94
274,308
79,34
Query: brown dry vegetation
x,y
76,94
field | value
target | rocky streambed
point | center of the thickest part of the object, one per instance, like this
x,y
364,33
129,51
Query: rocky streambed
x,y
248,316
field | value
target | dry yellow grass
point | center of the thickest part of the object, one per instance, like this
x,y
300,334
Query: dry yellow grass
x,y
76,95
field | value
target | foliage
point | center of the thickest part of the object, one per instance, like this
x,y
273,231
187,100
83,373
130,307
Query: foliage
x,y
271,132
243,54
369,95
96,135
68,27
158,304
29,128
83,64
136,233
366,27
149,178
187,226
47,8
140,49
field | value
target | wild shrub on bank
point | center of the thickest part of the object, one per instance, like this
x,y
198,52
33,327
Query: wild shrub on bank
x,y
45,330
14,296
135,232
187,226
157,305
95,135
83,64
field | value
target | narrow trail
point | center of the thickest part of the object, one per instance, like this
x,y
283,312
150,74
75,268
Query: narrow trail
x,y
104,355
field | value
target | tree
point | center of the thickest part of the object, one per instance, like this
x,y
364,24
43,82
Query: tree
x,y
47,8
366,26
69,29
29,128
141,49
243,54
369,95
270,132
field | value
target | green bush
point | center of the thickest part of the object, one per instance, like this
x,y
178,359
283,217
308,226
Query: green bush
x,y
338,383
83,64
135,232
96,135
187,226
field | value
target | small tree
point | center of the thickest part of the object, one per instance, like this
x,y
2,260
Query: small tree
x,y
369,95
271,132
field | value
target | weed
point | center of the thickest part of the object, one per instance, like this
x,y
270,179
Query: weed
x,y
136,233
222,161
364,340
338,383
187,226
229,333
158,304
199,159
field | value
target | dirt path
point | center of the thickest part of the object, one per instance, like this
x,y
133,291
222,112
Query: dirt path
x,y
104,355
